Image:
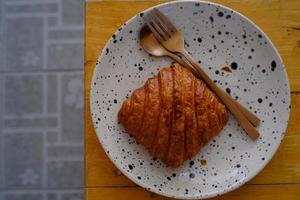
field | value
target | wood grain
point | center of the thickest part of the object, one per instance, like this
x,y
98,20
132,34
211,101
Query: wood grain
x,y
280,20
257,192
284,167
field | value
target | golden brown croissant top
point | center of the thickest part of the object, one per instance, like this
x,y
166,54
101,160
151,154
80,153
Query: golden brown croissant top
x,y
173,115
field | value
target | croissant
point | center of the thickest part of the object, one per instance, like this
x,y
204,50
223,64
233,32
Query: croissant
x,y
173,115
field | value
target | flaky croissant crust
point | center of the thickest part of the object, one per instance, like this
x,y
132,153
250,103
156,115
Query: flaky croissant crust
x,y
173,115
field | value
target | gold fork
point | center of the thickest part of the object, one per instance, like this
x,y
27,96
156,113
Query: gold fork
x,y
167,34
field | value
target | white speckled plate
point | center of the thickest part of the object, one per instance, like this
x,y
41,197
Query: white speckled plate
x,y
216,36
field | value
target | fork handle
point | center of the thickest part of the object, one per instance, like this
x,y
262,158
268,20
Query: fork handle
x,y
243,116
249,115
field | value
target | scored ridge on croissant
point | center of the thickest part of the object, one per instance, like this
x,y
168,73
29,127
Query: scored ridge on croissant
x,y
173,115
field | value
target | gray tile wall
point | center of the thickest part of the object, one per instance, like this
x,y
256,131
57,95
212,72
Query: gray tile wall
x,y
41,99
1,135
1,101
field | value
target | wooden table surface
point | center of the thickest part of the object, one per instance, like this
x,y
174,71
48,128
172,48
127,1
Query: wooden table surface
x,y
280,179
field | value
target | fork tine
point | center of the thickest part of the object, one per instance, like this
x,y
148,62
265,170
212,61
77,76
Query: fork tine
x,y
165,20
153,30
161,24
158,28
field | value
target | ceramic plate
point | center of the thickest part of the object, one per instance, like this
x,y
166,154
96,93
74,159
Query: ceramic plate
x,y
216,36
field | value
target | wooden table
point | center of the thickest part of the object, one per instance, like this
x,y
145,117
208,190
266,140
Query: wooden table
x,y
281,177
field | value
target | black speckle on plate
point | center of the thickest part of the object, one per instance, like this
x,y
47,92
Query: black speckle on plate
x,y
192,175
220,14
234,65
228,16
273,65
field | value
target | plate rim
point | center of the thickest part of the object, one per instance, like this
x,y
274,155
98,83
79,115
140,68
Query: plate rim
x,y
211,194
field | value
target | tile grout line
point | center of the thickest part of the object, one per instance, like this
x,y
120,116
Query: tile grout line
x,y
29,15
4,37
2,132
59,15
29,116
69,159
29,72
59,196
66,28
45,161
45,106
68,144
26,130
45,45
44,195
37,190
28,2
59,111
45,94
44,146
66,41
